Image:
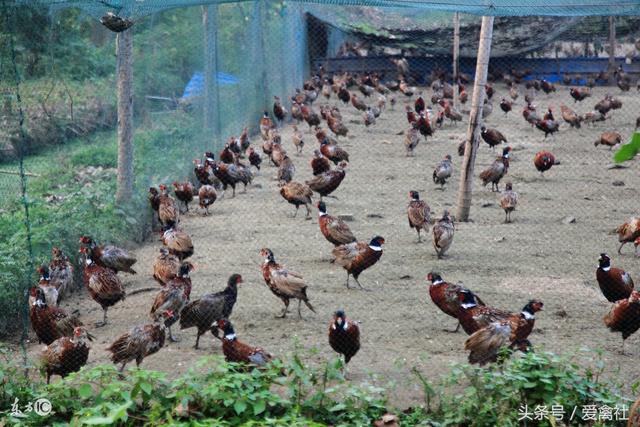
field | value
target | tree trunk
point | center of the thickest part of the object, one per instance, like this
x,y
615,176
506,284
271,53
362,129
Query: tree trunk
x,y
211,109
612,50
124,70
475,119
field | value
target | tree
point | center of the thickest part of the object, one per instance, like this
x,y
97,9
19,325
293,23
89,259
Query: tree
x,y
124,70
475,119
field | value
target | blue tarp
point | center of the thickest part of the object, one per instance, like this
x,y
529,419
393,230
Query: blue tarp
x,y
195,87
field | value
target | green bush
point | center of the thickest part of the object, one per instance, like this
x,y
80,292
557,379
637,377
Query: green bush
x,y
291,393
494,396
225,394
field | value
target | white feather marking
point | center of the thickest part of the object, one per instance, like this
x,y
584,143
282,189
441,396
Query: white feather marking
x,y
321,213
469,305
438,282
345,325
376,248
606,268
528,315
230,336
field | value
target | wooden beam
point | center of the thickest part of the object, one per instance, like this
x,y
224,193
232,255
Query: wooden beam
x,y
6,172
612,49
456,55
211,108
456,46
124,73
475,120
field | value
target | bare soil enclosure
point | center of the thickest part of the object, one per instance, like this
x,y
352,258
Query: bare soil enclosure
x,y
542,254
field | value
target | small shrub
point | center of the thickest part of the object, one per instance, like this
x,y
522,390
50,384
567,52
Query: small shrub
x,y
496,395
291,393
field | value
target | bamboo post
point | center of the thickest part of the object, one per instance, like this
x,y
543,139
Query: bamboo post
x,y
456,54
612,49
475,119
124,71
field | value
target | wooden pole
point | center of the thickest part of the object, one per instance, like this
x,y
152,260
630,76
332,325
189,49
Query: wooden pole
x,y
475,119
612,49
456,54
263,86
211,108
124,72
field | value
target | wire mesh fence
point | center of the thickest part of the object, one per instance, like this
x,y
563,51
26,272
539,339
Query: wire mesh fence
x,y
285,144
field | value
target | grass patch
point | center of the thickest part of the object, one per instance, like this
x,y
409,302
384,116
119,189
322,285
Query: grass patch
x,y
74,194
55,112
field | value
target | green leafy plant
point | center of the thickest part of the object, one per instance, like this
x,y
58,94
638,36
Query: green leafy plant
x,y
292,393
629,150
495,395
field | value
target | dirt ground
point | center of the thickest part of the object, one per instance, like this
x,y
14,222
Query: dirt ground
x,y
539,255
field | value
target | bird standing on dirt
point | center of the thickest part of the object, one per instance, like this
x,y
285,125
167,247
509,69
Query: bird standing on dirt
x,y
628,232
508,201
498,169
236,351
445,296
178,243
103,284
141,341
443,231
543,161
297,194
50,322
60,272
284,283
615,283
334,229
418,213
344,336
512,331
109,256
492,137
173,297
624,316
327,182
443,171
204,312
66,354
358,256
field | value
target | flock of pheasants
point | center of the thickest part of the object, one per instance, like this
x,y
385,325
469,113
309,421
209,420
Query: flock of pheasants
x,y
490,329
